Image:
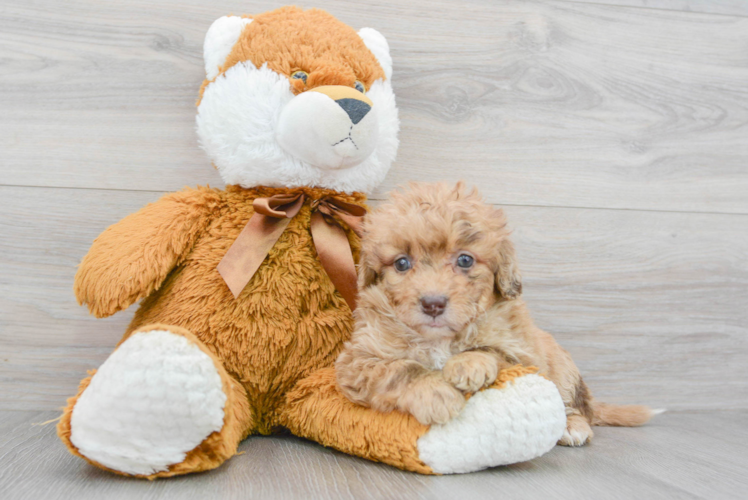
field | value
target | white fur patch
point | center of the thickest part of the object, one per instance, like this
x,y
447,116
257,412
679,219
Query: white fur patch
x,y
522,421
153,400
237,121
219,40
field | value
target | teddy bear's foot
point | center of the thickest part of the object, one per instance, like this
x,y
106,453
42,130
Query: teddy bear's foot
x,y
160,405
521,417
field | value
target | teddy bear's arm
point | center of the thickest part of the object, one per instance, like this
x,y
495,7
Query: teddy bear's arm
x,y
131,258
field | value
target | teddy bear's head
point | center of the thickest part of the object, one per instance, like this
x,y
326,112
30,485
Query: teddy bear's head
x,y
297,98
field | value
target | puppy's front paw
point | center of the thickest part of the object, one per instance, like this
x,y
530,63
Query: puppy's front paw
x,y
578,432
432,400
472,370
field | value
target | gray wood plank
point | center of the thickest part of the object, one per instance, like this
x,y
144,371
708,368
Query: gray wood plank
x,y
723,7
679,455
651,304
543,103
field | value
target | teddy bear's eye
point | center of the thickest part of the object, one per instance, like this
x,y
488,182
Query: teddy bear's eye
x,y
403,264
360,87
299,75
465,261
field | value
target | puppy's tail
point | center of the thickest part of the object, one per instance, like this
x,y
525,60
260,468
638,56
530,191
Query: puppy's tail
x,y
621,415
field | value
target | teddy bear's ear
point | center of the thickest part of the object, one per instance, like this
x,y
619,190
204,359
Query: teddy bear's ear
x,y
377,44
219,40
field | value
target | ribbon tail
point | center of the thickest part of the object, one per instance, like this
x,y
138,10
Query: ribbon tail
x,y
249,250
353,222
350,213
336,257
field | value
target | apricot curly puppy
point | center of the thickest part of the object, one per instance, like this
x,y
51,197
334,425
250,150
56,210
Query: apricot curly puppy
x,y
439,315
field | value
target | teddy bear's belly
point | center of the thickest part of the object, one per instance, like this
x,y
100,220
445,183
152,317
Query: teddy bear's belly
x,y
288,321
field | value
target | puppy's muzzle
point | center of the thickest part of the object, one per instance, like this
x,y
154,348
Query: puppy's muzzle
x,y
433,305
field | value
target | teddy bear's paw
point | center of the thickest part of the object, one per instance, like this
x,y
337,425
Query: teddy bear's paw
x,y
154,399
521,421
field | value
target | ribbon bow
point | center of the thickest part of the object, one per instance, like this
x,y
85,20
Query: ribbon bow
x,y
270,219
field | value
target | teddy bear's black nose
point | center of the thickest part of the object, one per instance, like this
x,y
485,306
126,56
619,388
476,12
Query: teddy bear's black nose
x,y
355,109
433,305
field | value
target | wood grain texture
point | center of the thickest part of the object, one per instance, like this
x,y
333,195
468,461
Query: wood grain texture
x,y
679,455
543,103
723,7
650,304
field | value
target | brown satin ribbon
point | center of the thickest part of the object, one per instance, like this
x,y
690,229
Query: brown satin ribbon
x,y
270,219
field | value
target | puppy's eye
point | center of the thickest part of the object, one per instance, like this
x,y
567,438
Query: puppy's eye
x,y
299,75
360,87
403,264
465,261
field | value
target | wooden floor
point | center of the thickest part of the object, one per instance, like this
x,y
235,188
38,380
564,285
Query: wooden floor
x,y
613,132
680,455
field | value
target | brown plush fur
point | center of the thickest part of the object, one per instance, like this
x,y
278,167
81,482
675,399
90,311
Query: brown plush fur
x,y
402,358
270,336
291,39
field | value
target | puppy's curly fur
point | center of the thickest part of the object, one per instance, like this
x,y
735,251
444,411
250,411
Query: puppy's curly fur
x,y
439,314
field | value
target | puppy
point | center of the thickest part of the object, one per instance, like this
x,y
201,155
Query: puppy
x,y
439,315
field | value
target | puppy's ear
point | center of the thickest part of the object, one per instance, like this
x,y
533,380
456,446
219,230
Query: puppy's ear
x,y
507,279
367,275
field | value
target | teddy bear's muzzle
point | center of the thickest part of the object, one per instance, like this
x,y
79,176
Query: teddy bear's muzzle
x,y
329,127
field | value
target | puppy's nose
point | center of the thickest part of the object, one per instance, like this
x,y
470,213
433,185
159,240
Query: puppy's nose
x,y
433,305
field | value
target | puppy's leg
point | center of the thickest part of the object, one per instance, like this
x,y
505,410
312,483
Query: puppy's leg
x,y
578,431
472,370
405,385
564,373
577,399
431,399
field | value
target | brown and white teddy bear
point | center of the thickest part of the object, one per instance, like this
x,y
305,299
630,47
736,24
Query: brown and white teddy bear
x,y
243,309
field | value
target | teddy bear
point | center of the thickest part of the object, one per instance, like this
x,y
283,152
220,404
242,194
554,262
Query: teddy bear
x,y
246,293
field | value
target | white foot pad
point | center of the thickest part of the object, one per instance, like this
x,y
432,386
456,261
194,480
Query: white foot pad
x,y
153,400
522,421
